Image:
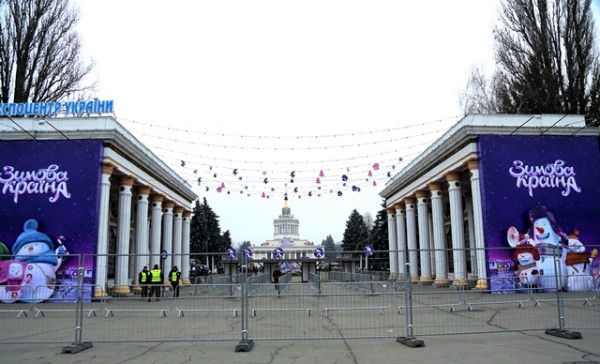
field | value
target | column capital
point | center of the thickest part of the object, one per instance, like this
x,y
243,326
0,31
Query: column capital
x,y
127,181
107,168
410,201
169,204
453,177
156,198
187,214
473,164
143,190
390,210
421,194
399,206
178,210
435,186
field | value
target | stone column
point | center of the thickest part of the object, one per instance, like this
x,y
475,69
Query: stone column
x,y
439,236
411,234
155,230
393,243
141,234
123,234
431,247
167,236
102,249
482,282
422,215
458,233
185,247
470,242
401,231
177,231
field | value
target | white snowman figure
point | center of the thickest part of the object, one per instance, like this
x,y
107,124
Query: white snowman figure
x,y
579,263
550,243
526,257
11,275
36,250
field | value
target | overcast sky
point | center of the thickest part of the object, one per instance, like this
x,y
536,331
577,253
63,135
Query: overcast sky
x,y
233,92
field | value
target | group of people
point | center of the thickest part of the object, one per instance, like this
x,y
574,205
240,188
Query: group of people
x,y
151,281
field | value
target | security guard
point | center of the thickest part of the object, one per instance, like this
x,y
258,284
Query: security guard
x,y
157,280
174,277
144,280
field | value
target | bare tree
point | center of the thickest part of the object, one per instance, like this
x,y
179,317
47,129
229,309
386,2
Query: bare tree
x,y
480,95
40,51
547,61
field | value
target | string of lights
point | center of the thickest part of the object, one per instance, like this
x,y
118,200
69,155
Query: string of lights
x,y
405,127
300,166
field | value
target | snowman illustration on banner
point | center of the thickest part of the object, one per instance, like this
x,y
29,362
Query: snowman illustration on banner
x,y
549,240
579,265
11,276
573,265
34,251
526,257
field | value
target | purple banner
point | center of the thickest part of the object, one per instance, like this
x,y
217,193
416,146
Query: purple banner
x,y
49,203
540,192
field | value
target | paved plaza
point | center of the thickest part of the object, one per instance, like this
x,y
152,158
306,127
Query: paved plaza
x,y
488,348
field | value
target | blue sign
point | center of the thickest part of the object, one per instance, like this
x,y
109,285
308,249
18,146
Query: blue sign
x,y
369,250
164,254
52,108
319,253
278,253
248,253
231,253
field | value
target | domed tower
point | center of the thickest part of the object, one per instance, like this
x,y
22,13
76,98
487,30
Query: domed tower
x,y
286,226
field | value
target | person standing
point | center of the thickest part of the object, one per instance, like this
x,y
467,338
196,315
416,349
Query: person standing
x,y
205,273
276,274
174,277
144,280
157,279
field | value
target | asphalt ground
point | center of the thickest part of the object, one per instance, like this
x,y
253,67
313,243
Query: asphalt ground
x,y
531,346
526,347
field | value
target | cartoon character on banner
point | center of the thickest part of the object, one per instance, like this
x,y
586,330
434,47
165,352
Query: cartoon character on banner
x,y
579,265
11,276
36,251
550,242
526,257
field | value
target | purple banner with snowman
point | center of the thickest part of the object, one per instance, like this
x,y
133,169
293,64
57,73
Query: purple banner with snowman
x,y
49,203
540,198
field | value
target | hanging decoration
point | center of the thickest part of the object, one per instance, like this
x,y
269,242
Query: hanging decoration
x,y
210,165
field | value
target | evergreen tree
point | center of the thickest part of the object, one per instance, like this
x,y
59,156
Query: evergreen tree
x,y
330,249
205,233
356,235
380,241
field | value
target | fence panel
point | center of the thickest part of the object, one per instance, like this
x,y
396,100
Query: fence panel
x,y
334,310
328,305
203,312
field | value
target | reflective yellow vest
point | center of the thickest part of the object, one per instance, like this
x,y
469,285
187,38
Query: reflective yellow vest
x,y
144,276
155,275
174,276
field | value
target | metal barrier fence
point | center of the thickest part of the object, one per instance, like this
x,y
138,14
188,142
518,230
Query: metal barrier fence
x,y
330,305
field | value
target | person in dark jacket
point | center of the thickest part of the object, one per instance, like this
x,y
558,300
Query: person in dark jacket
x,y
144,280
156,279
276,274
174,277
